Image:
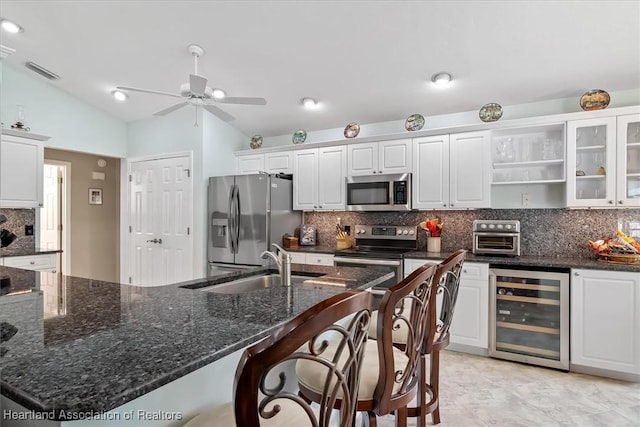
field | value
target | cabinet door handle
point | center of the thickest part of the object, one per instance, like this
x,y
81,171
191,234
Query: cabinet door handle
x,y
32,262
619,202
380,171
451,204
610,202
375,172
445,205
576,274
319,207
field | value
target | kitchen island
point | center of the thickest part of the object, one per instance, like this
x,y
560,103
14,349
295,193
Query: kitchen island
x,y
128,355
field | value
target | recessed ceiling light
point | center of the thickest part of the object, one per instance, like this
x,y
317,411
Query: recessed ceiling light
x,y
10,26
441,79
219,94
119,95
309,103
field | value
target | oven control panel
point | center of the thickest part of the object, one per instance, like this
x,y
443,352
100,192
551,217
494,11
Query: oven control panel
x,y
388,232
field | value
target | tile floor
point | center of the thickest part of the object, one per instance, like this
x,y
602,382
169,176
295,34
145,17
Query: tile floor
x,y
480,391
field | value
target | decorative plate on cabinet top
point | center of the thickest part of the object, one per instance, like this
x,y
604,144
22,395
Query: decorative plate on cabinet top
x,y
299,136
352,130
414,122
256,141
490,112
594,100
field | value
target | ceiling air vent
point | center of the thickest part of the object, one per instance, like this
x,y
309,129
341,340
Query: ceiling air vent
x,y
41,70
5,51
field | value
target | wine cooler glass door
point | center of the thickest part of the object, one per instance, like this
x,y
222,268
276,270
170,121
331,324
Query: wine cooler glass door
x,y
530,317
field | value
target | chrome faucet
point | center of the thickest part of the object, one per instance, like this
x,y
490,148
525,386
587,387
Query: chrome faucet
x,y
283,261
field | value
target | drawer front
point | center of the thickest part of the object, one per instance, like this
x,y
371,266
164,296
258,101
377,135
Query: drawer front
x,y
32,262
475,271
298,257
320,259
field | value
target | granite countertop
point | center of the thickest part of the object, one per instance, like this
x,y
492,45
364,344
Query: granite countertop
x,y
6,252
107,343
532,261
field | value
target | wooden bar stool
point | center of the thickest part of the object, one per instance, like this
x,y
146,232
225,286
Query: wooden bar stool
x,y
262,389
390,375
447,278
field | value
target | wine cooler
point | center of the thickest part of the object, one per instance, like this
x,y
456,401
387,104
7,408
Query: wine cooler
x,y
529,316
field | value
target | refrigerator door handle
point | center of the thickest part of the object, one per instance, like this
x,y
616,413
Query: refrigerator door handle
x,y
238,213
230,221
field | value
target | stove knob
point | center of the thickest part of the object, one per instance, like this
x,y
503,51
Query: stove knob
x,y
412,232
492,226
500,226
362,231
399,232
483,225
508,226
405,232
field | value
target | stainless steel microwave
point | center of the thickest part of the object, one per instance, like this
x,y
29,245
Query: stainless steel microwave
x,y
379,192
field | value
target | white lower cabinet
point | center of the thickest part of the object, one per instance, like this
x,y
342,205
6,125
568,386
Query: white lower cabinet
x,y
470,326
311,258
44,262
605,320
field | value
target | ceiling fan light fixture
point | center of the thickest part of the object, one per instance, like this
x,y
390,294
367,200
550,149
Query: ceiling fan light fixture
x,y
10,26
219,93
441,79
119,95
309,103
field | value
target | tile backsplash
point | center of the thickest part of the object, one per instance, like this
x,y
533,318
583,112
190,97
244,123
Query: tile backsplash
x,y
16,220
545,232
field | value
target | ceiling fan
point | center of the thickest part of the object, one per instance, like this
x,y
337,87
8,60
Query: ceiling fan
x,y
197,93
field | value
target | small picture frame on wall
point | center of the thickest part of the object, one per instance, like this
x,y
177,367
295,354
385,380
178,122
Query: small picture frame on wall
x,y
95,196
307,235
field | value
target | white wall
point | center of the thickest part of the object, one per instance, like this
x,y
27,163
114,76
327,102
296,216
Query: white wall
x,y
534,109
71,124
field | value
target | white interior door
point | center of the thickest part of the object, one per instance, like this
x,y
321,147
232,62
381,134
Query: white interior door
x,y
160,208
50,213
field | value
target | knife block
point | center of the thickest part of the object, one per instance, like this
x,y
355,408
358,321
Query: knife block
x,y
343,243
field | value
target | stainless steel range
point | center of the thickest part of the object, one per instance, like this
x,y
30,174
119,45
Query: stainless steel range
x,y
381,247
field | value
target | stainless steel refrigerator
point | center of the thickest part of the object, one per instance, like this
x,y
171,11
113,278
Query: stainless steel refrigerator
x,y
246,213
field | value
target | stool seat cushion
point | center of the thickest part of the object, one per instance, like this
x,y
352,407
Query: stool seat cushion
x,y
291,414
312,375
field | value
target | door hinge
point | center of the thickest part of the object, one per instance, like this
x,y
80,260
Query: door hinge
x,y
59,180
188,171
129,279
188,231
59,227
130,229
130,178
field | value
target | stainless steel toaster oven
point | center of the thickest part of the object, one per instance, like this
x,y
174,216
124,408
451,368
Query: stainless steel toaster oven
x,y
496,237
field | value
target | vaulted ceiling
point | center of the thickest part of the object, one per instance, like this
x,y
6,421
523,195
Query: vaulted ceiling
x,y
364,61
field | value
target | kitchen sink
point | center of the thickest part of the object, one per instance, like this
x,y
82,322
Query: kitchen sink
x,y
253,283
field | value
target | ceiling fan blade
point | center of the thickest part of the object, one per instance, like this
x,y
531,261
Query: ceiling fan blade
x,y
242,100
218,113
135,89
197,84
170,109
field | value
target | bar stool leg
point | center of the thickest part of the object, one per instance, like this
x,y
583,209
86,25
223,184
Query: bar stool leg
x,y
435,384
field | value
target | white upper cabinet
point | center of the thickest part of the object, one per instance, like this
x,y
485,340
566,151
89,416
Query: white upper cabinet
x,y
452,171
21,172
591,162
277,162
319,178
470,173
386,157
249,164
431,172
628,160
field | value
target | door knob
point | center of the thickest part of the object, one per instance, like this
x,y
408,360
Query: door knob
x,y
155,241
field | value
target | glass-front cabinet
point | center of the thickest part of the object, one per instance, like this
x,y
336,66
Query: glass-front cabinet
x,y
603,162
591,162
628,160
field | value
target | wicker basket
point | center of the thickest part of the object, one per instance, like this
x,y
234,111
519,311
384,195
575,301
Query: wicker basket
x,y
620,258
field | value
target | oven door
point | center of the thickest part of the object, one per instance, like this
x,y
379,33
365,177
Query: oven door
x,y
496,243
386,265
